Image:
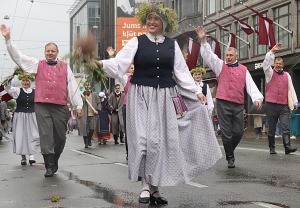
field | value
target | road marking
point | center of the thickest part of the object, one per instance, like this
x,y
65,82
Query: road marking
x,y
122,164
264,150
88,154
198,185
262,204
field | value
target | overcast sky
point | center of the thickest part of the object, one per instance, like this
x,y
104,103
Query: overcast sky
x,y
33,24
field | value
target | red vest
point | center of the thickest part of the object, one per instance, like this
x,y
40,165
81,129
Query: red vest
x,y
51,83
126,89
277,89
232,83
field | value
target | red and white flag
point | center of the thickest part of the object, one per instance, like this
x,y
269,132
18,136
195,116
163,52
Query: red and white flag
x,y
215,46
4,95
193,50
266,30
244,26
231,36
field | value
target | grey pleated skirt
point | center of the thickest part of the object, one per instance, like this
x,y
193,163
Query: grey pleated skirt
x,y
25,134
162,149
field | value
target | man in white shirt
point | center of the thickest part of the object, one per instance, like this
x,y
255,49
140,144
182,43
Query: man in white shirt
x,y
233,78
279,86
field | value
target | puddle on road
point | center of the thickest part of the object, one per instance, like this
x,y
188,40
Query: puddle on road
x,y
119,198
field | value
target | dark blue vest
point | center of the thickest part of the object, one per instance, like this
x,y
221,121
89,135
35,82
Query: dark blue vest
x,y
154,63
25,102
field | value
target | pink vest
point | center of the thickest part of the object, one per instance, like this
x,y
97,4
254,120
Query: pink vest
x,y
51,83
126,89
231,83
277,89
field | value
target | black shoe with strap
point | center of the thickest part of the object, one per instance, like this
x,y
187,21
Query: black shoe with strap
x,y
157,200
144,200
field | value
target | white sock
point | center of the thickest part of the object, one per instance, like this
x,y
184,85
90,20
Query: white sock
x,y
31,157
145,186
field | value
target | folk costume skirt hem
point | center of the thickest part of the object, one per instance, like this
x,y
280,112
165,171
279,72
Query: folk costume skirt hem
x,y
164,150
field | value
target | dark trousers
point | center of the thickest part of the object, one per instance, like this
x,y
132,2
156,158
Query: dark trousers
x,y
231,120
52,122
275,112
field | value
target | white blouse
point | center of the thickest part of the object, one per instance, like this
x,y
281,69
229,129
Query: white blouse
x,y
118,66
15,91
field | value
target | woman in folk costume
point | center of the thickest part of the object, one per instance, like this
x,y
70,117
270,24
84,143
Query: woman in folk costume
x,y
25,129
163,150
104,119
197,74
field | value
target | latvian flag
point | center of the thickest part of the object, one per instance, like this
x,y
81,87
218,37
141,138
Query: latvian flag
x,y
244,26
215,45
266,30
193,49
231,36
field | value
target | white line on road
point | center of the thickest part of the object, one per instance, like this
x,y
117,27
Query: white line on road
x,y
262,204
264,150
198,185
122,164
88,154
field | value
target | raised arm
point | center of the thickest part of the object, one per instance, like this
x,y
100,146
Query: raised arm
x,y
210,58
28,64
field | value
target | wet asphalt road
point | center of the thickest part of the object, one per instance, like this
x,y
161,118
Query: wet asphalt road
x,y
97,177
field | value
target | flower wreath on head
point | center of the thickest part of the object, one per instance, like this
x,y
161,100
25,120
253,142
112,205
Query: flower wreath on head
x,y
26,76
198,69
168,14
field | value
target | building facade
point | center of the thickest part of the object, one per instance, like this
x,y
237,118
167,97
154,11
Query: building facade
x,y
97,17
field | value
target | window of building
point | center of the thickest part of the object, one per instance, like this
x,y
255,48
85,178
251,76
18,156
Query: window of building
x,y
241,45
258,49
224,39
211,7
282,15
225,3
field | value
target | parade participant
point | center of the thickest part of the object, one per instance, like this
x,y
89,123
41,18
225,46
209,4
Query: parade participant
x,y
126,82
88,122
162,150
279,83
26,133
197,74
115,102
233,78
55,83
104,113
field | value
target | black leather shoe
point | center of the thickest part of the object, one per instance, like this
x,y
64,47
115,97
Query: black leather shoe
x,y
272,151
144,200
231,163
31,162
49,172
157,200
23,162
289,150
